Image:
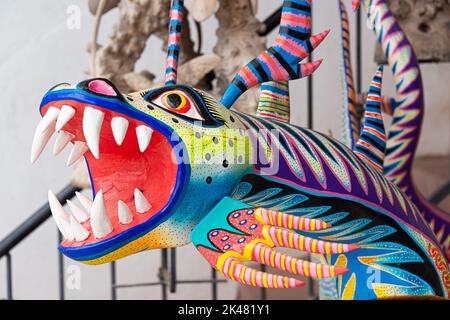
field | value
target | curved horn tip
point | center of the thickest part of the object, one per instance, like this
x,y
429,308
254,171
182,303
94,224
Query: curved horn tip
x,y
356,4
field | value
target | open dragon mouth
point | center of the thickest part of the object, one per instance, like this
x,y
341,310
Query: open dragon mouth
x,y
131,164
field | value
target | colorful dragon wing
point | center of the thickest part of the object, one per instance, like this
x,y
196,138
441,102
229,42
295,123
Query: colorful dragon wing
x,y
234,232
281,62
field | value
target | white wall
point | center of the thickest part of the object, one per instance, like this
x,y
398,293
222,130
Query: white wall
x,y
37,51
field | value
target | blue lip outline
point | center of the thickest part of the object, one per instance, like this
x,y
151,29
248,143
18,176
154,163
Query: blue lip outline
x,y
104,247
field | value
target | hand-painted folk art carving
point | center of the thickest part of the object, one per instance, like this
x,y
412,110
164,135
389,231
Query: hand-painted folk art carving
x,y
407,110
173,165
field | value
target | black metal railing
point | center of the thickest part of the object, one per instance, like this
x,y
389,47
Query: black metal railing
x,y
24,230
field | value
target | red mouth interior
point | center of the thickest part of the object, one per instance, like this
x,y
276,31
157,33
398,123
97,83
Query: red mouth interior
x,y
122,169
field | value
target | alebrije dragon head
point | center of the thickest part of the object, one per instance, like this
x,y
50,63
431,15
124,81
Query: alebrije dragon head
x,y
164,156
159,159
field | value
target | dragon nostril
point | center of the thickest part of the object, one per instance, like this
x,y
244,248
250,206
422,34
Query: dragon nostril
x,y
102,87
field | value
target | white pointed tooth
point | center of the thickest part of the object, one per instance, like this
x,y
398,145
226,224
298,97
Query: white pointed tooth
x,y
141,203
125,215
43,133
77,212
100,223
66,114
61,217
85,201
48,119
144,136
62,140
40,140
119,128
79,149
79,232
92,125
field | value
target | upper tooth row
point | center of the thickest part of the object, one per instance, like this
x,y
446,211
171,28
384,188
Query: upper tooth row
x,y
55,120
70,224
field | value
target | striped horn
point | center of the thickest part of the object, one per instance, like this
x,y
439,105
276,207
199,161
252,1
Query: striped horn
x,y
173,47
371,146
281,62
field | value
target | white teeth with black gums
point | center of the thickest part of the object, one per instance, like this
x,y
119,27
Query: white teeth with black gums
x,y
141,203
79,232
119,128
144,136
100,223
65,115
62,218
124,213
79,149
62,140
77,212
44,132
92,125
85,201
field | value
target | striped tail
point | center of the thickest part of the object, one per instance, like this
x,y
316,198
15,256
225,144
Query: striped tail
x,y
351,111
173,47
371,147
281,62
274,102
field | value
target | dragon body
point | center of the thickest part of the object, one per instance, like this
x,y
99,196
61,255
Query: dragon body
x,y
173,165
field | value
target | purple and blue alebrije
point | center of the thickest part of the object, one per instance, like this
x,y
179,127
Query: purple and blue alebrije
x,y
173,47
371,146
281,62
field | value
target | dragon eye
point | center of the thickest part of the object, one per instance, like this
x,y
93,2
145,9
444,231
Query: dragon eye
x,y
178,102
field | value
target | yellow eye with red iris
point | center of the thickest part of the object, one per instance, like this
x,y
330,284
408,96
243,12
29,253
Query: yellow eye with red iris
x,y
177,101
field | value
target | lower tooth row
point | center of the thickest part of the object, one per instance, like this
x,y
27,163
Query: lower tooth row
x,y
70,225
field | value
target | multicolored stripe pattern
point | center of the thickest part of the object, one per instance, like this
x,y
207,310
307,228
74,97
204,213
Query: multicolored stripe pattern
x,y
281,62
274,102
173,47
351,113
289,221
371,146
234,270
288,239
267,256
388,104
